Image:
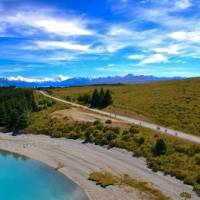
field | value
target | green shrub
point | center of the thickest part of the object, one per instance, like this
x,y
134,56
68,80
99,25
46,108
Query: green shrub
x,y
141,141
197,158
108,121
185,195
134,129
160,147
110,135
73,135
103,179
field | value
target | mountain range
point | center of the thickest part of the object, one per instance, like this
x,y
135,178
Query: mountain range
x,y
128,79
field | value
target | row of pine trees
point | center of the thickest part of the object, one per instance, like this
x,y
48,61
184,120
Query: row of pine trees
x,y
98,99
101,99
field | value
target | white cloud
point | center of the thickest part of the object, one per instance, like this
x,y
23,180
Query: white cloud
x,y
61,45
149,59
155,58
61,27
136,56
183,4
173,49
192,36
47,21
117,38
119,31
45,79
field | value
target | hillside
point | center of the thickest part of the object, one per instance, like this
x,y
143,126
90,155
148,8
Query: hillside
x,y
174,104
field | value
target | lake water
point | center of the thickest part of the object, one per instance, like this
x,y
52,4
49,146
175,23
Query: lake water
x,y
26,179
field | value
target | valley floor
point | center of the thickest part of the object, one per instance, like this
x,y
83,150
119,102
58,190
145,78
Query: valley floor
x,y
78,160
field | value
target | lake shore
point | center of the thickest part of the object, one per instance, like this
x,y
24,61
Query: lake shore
x,y
76,161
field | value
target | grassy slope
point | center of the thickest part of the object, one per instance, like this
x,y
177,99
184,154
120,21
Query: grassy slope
x,y
174,104
181,160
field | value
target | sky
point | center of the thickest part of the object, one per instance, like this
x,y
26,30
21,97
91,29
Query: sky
x,y
60,39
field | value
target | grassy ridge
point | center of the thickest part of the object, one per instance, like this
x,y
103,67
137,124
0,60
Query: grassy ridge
x,y
174,104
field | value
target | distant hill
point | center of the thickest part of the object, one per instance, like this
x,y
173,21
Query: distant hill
x,y
130,78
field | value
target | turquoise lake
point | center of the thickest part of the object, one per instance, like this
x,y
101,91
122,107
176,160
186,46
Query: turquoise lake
x,y
26,179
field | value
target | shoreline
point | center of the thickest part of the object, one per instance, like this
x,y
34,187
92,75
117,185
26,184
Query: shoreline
x,y
45,163
79,160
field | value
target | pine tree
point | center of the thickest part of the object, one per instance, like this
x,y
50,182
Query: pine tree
x,y
107,99
160,147
95,99
101,98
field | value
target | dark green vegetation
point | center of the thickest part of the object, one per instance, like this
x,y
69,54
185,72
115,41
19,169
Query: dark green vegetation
x,y
15,107
163,153
105,179
98,99
160,147
101,99
174,104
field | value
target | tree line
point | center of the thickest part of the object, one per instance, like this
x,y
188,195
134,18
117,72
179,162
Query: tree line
x,y
15,107
98,99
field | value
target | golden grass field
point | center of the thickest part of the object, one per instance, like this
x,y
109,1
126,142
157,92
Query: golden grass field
x,y
174,104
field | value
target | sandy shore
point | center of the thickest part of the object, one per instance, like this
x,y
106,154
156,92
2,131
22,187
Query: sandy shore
x,y
80,160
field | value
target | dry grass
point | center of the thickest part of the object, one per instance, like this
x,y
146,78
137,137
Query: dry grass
x,y
105,179
174,104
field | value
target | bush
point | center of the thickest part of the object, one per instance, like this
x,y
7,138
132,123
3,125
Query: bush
x,y
160,147
68,98
141,141
134,130
198,178
88,134
74,135
57,134
116,129
103,179
110,135
185,195
96,122
108,121
197,158
125,135
84,98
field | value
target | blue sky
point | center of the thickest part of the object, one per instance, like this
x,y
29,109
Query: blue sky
x,y
57,39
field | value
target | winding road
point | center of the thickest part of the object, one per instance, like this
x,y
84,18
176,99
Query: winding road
x,y
160,129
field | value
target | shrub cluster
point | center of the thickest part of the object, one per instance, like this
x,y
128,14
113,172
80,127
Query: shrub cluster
x,y
44,104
